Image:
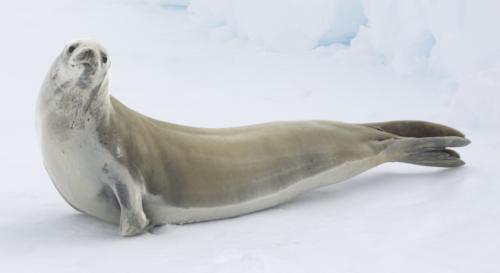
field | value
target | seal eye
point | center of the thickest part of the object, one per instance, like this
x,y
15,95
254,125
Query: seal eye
x,y
104,58
71,49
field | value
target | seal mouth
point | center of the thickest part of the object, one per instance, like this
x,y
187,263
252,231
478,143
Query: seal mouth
x,y
87,68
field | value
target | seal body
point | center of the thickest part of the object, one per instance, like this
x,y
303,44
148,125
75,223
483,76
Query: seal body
x,y
123,167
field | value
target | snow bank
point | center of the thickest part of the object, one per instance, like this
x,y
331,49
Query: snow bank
x,y
284,25
449,38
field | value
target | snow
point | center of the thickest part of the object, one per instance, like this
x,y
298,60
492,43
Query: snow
x,y
227,63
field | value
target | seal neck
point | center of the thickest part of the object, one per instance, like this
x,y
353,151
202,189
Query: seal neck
x,y
72,108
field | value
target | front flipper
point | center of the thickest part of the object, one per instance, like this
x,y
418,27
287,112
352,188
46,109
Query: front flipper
x,y
133,220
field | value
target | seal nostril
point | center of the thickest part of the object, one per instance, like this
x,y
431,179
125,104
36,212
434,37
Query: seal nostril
x,y
86,54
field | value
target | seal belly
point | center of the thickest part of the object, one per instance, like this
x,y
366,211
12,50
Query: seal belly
x,y
161,212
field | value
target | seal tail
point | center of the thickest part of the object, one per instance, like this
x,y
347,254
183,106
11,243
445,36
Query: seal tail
x,y
422,143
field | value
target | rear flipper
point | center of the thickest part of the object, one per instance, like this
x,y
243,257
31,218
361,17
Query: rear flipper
x,y
415,128
422,143
427,151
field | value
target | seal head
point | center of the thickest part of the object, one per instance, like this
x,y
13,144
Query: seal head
x,y
77,84
83,62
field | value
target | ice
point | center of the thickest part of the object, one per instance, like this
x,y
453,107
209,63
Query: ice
x,y
452,38
444,38
283,25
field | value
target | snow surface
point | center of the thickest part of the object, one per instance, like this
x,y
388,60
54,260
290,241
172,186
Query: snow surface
x,y
225,63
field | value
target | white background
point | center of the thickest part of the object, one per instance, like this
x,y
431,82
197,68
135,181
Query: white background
x,y
216,65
